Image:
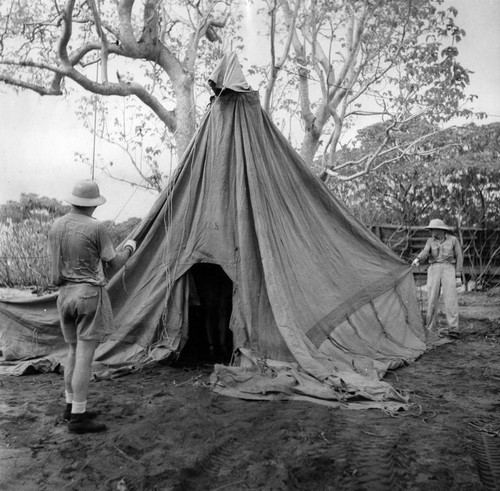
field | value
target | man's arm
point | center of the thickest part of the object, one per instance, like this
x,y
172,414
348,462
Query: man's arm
x,y
123,256
424,254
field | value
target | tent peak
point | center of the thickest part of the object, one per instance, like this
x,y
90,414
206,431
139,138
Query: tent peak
x,y
228,74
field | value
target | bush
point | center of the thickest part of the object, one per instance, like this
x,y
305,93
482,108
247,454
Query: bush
x,y
23,254
24,229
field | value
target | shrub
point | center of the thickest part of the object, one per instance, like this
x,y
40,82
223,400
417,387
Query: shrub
x,y
24,228
23,254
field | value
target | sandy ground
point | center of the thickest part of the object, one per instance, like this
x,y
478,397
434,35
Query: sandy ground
x,y
168,431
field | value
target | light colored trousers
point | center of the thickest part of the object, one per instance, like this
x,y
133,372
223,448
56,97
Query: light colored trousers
x,y
442,275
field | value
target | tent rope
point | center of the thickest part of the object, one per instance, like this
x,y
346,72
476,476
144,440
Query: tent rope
x,y
95,125
193,106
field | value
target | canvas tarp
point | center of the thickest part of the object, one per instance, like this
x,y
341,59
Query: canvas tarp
x,y
312,287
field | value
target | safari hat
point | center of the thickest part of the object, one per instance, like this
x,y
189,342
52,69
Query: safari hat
x,y
438,224
85,193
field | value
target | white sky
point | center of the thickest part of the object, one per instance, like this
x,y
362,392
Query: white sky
x,y
39,135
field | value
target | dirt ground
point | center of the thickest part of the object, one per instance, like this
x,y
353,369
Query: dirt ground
x,y
168,431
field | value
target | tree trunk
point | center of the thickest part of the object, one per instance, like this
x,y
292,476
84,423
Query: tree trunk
x,y
185,116
312,134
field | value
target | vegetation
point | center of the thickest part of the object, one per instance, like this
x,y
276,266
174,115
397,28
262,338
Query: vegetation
x,y
329,63
24,227
455,175
324,65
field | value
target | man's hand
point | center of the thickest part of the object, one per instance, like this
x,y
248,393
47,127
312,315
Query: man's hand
x,y
416,262
130,244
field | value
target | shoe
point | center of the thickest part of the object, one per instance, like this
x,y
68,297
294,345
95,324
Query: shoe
x,y
80,424
89,414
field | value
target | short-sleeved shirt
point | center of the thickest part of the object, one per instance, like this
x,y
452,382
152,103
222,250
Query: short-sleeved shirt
x,y
78,246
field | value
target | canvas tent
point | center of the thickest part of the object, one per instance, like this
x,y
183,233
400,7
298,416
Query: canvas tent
x,y
321,309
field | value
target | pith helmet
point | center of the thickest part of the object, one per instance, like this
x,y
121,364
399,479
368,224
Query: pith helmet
x,y
85,193
438,224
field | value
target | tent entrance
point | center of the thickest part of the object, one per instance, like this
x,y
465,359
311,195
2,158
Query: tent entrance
x,y
210,306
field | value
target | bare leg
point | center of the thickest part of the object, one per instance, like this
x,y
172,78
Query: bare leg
x,y
83,365
80,419
69,368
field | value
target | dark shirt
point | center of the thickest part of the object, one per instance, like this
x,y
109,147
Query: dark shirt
x,y
78,245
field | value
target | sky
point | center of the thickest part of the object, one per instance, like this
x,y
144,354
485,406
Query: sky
x,y
40,135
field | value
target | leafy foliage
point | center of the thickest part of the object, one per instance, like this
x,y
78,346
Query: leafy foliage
x,y
24,228
391,59
145,55
328,64
31,207
455,175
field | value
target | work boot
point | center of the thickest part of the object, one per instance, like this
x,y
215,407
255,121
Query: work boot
x,y
67,413
80,423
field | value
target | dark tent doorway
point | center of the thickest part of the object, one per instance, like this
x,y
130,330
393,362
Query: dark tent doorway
x,y
210,340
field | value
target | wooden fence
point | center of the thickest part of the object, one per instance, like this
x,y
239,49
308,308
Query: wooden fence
x,y
481,248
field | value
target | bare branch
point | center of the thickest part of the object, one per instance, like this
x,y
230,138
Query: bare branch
x,y
34,64
356,26
104,40
151,183
204,26
66,33
379,74
368,161
276,66
30,86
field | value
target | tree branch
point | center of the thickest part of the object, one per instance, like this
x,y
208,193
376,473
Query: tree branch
x,y
104,40
27,85
369,160
276,66
66,19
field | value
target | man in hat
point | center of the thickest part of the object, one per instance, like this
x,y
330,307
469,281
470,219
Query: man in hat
x,y
444,253
80,247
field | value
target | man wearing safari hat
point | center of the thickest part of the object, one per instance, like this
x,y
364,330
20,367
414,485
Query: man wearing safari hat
x,y
444,253
80,247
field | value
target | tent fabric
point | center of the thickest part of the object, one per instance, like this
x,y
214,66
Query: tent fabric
x,y
228,75
258,379
312,287
29,327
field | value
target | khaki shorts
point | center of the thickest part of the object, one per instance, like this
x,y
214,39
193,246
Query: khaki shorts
x,y
85,312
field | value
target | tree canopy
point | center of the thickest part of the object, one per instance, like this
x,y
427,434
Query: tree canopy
x,y
324,64
31,207
454,176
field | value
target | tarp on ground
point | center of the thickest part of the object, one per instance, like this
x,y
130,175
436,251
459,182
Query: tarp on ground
x,y
313,289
